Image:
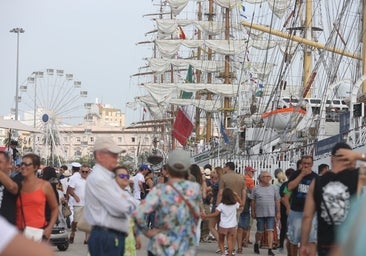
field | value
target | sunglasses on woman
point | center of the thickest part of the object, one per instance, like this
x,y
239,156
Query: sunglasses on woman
x,y
124,176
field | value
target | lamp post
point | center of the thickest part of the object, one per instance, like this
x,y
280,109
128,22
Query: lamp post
x,y
17,31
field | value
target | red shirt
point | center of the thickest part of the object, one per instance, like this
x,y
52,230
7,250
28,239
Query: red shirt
x,y
249,182
33,204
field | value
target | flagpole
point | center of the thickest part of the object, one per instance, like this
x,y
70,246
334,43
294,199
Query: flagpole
x,y
219,143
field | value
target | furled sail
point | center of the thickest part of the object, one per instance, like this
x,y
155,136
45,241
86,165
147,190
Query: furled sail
x,y
165,89
212,28
170,48
160,65
278,7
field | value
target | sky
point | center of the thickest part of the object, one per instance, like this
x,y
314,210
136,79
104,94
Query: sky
x,y
92,39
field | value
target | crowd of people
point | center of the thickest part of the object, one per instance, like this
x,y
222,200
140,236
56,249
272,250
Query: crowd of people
x,y
183,204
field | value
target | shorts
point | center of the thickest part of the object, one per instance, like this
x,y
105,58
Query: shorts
x,y
227,231
244,220
265,223
294,223
78,211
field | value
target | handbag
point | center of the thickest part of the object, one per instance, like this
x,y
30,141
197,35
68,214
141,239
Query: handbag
x,y
83,225
35,234
66,212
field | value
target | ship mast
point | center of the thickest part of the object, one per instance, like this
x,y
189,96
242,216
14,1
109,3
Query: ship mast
x,y
307,51
198,75
209,76
227,77
364,45
172,110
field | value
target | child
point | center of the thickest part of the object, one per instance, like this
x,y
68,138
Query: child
x,y
132,241
228,221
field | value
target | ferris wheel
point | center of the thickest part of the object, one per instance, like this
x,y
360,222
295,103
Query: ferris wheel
x,y
51,101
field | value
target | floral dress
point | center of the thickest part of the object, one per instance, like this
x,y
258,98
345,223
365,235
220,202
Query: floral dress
x,y
130,242
172,217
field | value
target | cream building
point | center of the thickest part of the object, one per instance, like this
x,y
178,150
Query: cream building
x,y
72,142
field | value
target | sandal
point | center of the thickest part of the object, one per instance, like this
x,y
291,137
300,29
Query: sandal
x,y
71,239
239,251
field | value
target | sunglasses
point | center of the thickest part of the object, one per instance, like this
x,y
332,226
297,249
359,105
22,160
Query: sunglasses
x,y
85,171
124,176
25,164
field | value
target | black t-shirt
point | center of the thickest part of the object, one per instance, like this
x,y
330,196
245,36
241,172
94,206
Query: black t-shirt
x,y
335,190
299,193
8,200
282,194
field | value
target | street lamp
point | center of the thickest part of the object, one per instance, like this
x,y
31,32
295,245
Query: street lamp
x,y
17,31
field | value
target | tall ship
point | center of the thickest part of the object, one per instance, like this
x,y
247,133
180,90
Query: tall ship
x,y
261,82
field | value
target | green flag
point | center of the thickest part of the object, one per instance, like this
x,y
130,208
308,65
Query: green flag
x,y
189,79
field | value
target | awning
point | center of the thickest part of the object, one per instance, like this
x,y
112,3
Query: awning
x,y
17,125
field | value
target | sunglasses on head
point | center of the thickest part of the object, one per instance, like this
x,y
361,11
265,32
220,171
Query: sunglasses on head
x,y
25,164
124,176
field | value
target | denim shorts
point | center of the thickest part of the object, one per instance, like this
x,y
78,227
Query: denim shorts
x,y
294,223
265,223
244,220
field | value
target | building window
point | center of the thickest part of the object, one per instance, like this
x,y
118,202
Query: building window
x,y
133,139
119,139
91,139
78,139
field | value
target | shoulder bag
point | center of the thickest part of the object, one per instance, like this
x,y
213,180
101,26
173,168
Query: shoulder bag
x,y
66,212
83,225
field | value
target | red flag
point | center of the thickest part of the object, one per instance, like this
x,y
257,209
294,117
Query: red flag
x,y
181,33
182,127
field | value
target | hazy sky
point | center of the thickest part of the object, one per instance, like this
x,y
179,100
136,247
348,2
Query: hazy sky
x,y
92,39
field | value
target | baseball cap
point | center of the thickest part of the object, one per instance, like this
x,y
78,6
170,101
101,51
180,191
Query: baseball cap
x,y
145,166
249,169
106,143
179,160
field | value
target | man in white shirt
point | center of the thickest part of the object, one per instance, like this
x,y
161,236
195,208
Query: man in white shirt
x,y
75,169
107,207
76,190
139,180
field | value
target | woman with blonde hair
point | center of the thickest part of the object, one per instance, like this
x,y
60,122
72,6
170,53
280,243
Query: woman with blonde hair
x,y
213,222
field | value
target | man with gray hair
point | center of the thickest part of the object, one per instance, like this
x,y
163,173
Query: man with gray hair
x,y
265,208
107,206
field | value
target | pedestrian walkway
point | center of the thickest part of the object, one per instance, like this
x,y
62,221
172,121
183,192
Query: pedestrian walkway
x,y
210,248
204,249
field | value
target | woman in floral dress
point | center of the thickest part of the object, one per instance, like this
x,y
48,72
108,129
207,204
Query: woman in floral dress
x,y
176,206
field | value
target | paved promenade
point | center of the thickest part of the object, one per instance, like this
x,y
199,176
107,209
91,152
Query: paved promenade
x,y
78,248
